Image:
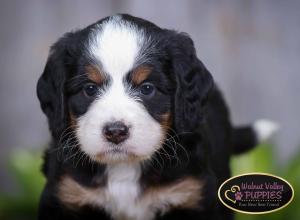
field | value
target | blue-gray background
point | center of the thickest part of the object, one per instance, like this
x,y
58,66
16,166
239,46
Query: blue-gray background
x,y
252,49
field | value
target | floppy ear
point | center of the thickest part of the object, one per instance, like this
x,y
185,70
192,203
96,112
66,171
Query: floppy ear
x,y
50,89
193,84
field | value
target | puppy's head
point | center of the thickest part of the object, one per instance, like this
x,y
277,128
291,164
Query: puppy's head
x,y
120,85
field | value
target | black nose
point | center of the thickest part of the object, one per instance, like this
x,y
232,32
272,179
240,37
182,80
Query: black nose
x,y
116,132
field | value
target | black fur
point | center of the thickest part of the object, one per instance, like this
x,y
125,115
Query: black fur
x,y
200,123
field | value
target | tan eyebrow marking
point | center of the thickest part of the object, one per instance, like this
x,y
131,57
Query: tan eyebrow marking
x,y
140,74
95,74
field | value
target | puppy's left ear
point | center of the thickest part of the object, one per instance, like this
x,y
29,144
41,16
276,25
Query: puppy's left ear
x,y
193,84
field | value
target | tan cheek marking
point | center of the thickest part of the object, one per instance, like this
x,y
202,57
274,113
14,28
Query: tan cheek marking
x,y
95,75
140,74
74,195
183,194
166,121
73,121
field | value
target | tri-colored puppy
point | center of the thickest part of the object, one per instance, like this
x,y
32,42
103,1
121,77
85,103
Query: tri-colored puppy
x,y
139,130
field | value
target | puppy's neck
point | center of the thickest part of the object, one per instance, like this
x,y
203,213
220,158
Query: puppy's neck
x,y
123,188
122,173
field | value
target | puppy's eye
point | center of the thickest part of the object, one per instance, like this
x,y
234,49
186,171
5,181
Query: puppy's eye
x,y
90,89
147,89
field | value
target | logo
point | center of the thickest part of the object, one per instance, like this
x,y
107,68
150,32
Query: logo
x,y
256,193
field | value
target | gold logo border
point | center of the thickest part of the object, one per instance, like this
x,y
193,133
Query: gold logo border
x,y
256,213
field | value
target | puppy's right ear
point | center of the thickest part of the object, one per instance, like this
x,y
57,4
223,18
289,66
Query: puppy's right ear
x,y
193,83
51,86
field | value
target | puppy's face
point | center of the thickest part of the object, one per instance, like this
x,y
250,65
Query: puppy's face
x,y
119,119
119,97
119,84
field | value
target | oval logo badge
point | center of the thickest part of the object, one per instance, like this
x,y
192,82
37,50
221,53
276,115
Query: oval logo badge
x,y
256,193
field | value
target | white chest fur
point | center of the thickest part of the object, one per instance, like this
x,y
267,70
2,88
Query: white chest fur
x,y
123,191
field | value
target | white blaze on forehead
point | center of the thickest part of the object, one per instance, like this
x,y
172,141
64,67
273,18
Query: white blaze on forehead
x,y
116,44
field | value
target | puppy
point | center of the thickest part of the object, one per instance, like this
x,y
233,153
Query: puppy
x,y
139,129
